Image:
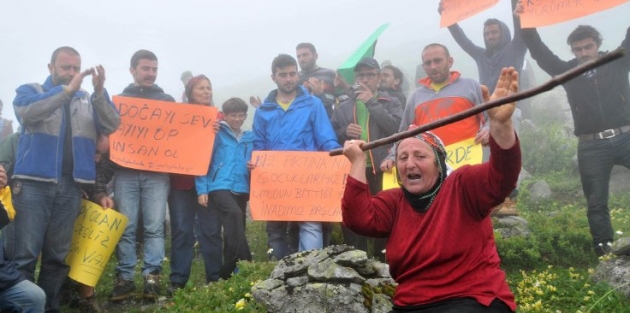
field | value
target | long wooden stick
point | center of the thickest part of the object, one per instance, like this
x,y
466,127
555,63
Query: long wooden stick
x,y
555,81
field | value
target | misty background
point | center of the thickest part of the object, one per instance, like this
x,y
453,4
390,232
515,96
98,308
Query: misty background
x,y
234,42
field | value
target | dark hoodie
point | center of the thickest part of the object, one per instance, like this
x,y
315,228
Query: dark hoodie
x,y
154,92
510,52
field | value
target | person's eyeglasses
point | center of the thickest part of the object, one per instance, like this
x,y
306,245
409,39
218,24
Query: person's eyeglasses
x,y
371,75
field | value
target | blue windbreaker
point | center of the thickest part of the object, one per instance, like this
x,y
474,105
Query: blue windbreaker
x,y
228,169
304,126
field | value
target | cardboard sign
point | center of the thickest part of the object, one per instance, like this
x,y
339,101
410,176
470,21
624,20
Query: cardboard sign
x,y
457,154
464,152
163,136
297,186
547,12
96,233
454,11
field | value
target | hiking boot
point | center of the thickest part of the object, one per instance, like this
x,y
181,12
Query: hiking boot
x,y
507,208
123,289
172,289
151,286
88,305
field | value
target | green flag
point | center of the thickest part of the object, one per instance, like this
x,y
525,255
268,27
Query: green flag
x,y
366,49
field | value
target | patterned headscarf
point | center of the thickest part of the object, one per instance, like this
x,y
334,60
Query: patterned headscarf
x,y
421,203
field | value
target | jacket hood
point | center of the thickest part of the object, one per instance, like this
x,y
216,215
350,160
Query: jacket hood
x,y
506,38
133,89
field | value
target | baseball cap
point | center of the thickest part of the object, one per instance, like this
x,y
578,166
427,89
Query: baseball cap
x,y
369,62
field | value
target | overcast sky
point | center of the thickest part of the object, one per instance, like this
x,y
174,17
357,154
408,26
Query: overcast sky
x,y
234,41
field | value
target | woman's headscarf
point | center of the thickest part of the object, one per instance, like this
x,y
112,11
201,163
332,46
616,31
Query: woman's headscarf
x,y
421,203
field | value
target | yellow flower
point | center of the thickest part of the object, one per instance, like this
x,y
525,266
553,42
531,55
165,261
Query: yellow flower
x,y
248,295
240,304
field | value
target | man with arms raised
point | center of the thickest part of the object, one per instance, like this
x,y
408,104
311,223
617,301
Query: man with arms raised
x,y
600,105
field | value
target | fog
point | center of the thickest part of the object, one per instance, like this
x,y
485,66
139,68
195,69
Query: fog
x,y
234,42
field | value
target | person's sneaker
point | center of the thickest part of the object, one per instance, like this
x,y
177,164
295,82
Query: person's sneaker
x,y
151,286
507,208
123,289
88,305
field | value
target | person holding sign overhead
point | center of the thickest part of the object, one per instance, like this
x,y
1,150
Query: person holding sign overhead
x,y
55,154
183,208
441,249
600,105
370,115
291,119
500,50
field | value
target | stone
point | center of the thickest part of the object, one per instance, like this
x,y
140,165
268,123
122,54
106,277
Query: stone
x,y
621,246
539,190
334,279
511,226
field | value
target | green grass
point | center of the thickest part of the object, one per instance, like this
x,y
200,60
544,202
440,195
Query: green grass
x,y
549,271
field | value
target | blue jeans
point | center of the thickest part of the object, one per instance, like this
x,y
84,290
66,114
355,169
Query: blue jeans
x,y
44,223
596,159
311,237
183,207
24,297
147,191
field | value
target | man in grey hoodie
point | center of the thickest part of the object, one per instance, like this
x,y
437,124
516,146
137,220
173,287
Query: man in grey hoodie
x,y
501,50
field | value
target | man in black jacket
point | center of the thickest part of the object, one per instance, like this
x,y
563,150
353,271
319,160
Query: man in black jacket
x,y
600,104
368,116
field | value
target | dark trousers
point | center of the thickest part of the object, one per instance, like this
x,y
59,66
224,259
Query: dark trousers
x,y
375,184
596,159
459,305
183,207
231,208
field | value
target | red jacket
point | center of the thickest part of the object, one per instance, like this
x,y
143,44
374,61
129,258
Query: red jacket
x,y
449,251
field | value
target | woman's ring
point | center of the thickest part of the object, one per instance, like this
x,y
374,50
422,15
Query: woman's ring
x,y
352,141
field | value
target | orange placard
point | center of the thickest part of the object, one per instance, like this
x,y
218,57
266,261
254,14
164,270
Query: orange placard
x,y
546,12
454,11
162,136
297,186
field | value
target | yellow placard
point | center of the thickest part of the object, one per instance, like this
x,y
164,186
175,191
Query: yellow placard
x,y
390,180
457,154
464,152
96,233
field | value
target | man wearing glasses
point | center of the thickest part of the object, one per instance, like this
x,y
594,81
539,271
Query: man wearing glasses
x,y
368,116
600,105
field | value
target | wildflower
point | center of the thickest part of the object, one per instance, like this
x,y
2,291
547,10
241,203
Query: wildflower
x,y
270,251
248,295
619,232
240,304
591,271
383,251
587,298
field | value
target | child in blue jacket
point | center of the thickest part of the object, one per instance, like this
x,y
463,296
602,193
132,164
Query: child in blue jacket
x,y
226,185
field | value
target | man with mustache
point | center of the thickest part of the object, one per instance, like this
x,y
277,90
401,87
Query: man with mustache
x,y
443,93
140,193
60,123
